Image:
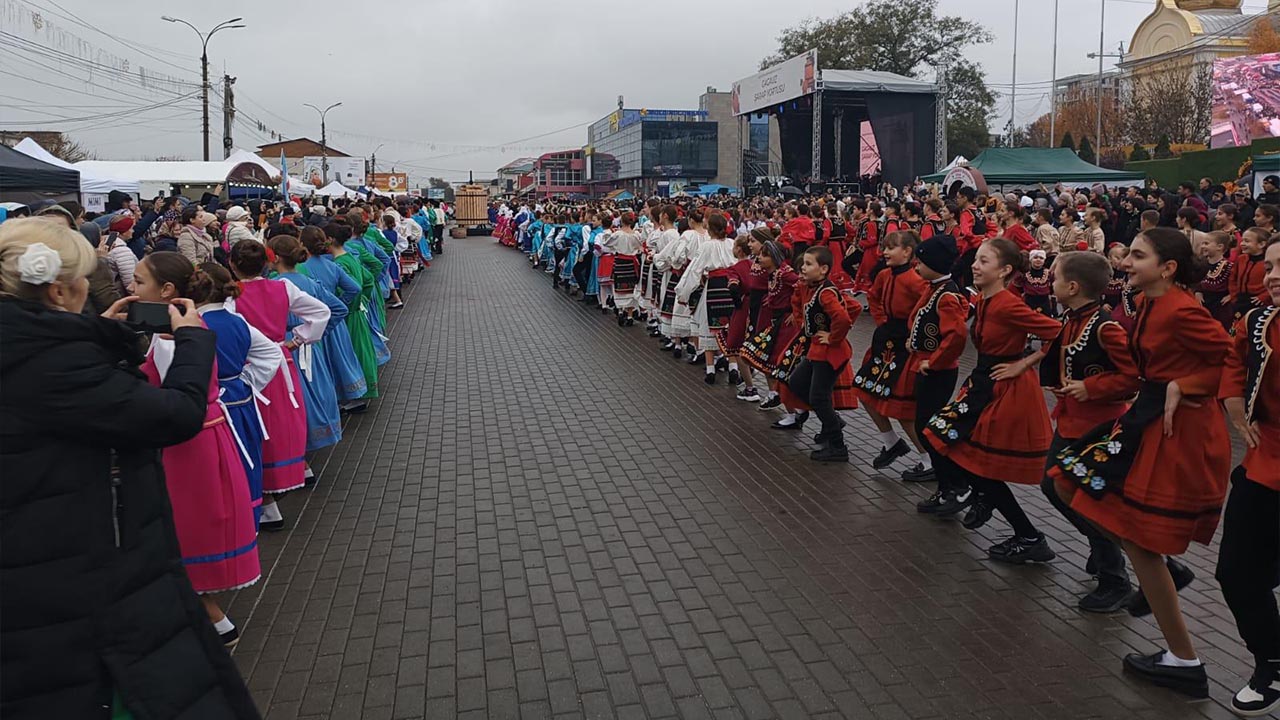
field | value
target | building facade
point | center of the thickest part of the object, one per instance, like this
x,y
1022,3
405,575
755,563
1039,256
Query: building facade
x,y
559,173
732,138
651,151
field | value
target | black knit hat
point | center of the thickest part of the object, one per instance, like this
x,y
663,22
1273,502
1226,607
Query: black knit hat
x,y
938,253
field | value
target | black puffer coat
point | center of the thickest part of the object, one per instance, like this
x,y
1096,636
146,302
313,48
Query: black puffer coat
x,y
93,597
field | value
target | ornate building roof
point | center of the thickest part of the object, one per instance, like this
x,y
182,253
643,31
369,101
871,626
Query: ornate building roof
x,y
1180,28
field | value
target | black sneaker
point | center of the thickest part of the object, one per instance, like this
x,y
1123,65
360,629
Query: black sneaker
x,y
796,424
1261,696
1182,577
889,454
931,504
230,637
1190,681
1019,550
979,514
735,377
1107,598
722,364
831,453
774,401
710,378
749,395
677,352
668,345
271,525
695,357
918,473
954,501
311,481
653,333
622,320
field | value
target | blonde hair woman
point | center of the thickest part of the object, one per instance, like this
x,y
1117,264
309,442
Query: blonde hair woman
x,y
96,603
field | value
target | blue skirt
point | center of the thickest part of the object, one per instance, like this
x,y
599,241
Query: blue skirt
x,y
247,426
424,247
324,424
344,366
593,283
569,262
381,352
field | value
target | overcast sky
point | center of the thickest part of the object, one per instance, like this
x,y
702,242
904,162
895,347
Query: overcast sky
x,y
428,78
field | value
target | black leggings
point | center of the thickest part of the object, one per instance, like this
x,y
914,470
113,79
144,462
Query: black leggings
x,y
1249,565
933,391
1000,496
813,381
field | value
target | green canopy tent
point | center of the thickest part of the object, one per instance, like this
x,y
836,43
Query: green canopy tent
x,y
1023,167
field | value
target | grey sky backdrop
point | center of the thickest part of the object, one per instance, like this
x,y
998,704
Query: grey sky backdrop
x,y
431,79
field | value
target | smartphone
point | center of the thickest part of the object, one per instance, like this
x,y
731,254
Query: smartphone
x,y
149,317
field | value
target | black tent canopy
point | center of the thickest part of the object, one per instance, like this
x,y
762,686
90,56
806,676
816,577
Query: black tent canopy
x,y
27,180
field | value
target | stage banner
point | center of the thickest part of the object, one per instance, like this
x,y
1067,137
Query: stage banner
x,y
348,171
785,81
1246,100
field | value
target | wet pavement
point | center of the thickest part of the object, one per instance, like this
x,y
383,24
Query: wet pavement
x,y
545,517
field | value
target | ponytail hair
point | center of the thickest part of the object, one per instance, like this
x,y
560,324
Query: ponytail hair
x,y
211,283
248,258
288,249
174,268
315,241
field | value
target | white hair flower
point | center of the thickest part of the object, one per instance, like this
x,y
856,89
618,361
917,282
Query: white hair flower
x,y
39,264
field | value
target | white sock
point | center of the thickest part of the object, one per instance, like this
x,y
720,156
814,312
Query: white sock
x,y
733,366
1174,661
711,369
889,438
224,625
788,419
926,461
271,512
308,473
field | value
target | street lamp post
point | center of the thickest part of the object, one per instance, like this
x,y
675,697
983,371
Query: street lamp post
x,y
373,162
204,65
324,141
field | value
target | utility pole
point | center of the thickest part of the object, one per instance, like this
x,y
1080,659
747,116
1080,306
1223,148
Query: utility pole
x,y
1053,92
204,66
324,139
228,114
940,120
1102,34
1013,85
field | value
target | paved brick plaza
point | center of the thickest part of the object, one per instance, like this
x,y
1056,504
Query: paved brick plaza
x,y
544,517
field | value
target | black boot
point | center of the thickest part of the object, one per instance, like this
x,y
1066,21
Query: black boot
x,y
835,451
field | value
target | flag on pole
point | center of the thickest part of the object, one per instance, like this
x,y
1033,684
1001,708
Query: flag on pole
x,y
284,176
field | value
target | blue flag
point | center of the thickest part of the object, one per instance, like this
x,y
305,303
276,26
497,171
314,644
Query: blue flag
x,y
284,176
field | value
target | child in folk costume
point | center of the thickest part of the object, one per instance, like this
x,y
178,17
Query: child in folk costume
x,y
1036,284
770,335
865,242
650,279
367,346
1089,368
1247,288
884,383
1111,297
389,223
707,276
350,384
1249,556
1156,478
823,381
208,491
936,331
996,431
1214,290
602,263
625,246
267,305
747,283
672,260
240,345
324,423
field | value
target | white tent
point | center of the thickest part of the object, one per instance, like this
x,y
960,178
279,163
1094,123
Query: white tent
x,y
244,156
91,182
337,189
299,188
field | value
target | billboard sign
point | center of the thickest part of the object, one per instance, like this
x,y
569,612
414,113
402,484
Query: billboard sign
x,y
393,182
348,171
1246,100
785,81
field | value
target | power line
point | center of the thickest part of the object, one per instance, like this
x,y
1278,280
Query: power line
x,y
76,19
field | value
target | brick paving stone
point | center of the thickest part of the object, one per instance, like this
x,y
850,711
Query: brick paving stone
x,y
544,517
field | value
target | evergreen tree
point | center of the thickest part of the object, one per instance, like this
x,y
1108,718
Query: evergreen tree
x,y
1139,154
1068,141
1086,152
1163,151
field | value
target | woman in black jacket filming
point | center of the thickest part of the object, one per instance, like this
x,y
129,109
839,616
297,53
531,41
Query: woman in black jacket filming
x,y
96,612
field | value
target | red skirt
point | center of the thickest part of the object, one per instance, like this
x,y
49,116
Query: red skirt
x,y
730,339
604,271
842,395
1175,488
1011,437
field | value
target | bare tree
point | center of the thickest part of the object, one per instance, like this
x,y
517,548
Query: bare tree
x,y
1174,101
66,149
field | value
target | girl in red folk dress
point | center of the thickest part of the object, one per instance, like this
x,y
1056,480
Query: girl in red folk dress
x,y
1249,556
823,379
1247,291
1156,477
884,383
741,280
763,348
996,431
1214,290
866,240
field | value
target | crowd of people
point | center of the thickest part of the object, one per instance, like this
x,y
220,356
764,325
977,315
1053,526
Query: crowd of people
x,y
144,456
1146,317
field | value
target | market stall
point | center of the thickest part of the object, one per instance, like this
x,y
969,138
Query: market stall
x,y
26,180
94,188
